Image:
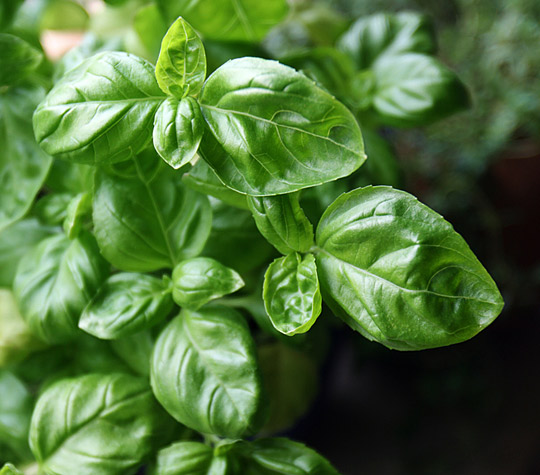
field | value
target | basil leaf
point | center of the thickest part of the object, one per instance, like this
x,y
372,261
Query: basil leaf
x,y
178,130
78,209
125,304
279,131
64,15
386,34
150,27
181,65
398,273
191,458
71,178
136,351
16,406
23,166
281,220
10,469
283,456
97,423
204,372
201,279
291,293
15,241
51,209
54,282
413,90
102,111
16,339
19,59
148,221
203,179
244,20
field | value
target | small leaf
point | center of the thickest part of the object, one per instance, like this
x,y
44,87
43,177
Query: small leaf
x,y
201,279
181,66
79,208
291,293
281,220
205,372
19,59
97,423
398,273
277,130
125,304
136,351
10,469
185,458
54,282
178,130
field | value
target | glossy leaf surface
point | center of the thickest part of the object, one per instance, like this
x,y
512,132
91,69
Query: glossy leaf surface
x,y
205,372
243,20
178,130
78,209
54,282
97,423
386,34
201,279
185,458
181,66
146,221
102,111
281,220
291,293
279,131
18,60
125,304
398,273
414,89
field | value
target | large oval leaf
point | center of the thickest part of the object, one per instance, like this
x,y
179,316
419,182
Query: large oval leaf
x,y
148,221
97,423
228,19
398,273
102,111
278,130
54,282
205,373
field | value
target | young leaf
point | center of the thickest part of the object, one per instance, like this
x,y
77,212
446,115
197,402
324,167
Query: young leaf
x,y
386,34
413,89
232,20
79,207
291,293
178,130
281,220
125,304
19,59
148,221
23,165
10,469
54,282
279,132
201,279
102,111
205,373
185,458
181,66
97,423
398,273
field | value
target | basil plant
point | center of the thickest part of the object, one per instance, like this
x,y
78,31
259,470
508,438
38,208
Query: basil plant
x,y
175,240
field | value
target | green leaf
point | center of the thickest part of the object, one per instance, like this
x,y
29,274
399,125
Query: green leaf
x,y
51,209
386,34
205,372
23,166
102,111
178,130
19,59
16,406
148,221
291,293
398,273
186,458
151,28
125,304
54,282
64,15
181,65
244,20
15,241
97,423
285,457
16,339
78,209
10,469
278,130
201,279
413,89
203,179
281,220
70,178
136,351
